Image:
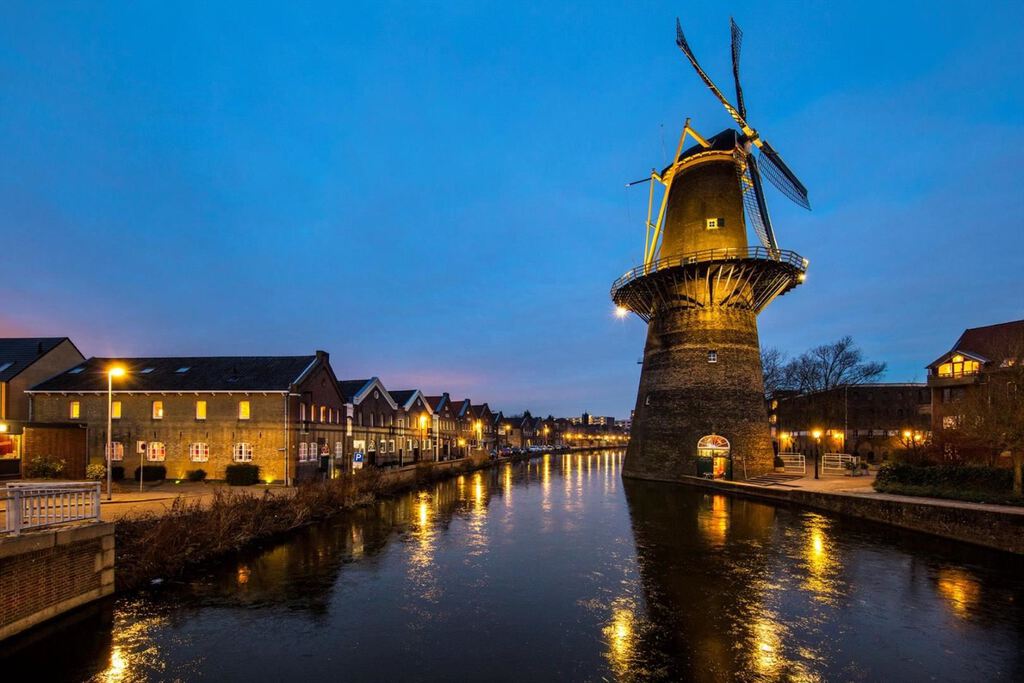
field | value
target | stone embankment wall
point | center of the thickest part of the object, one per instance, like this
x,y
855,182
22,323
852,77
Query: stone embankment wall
x,y
993,528
45,573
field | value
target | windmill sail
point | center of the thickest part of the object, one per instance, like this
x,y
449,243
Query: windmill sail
x,y
737,42
755,209
685,47
779,175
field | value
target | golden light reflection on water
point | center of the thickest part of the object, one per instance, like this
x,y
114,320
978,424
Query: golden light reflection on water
x,y
820,559
713,521
620,637
134,650
960,589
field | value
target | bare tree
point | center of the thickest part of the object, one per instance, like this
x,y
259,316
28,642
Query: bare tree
x,y
773,367
832,365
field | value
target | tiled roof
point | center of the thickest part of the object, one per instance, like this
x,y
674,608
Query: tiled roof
x,y
19,353
402,396
350,387
990,343
205,373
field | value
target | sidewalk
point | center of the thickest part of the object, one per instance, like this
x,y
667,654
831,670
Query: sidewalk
x,y
862,487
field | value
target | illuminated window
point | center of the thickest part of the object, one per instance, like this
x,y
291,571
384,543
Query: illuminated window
x,y
74,410
958,366
714,223
242,452
302,412
118,450
323,413
156,451
243,410
200,410
199,452
158,410
115,410
303,451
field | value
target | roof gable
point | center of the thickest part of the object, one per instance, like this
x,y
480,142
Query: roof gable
x,y
989,343
17,354
406,398
355,391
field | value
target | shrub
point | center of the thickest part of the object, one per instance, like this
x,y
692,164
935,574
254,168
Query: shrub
x,y
44,467
151,472
962,482
242,474
195,475
117,472
95,471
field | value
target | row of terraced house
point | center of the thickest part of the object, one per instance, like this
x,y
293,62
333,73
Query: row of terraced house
x,y
290,415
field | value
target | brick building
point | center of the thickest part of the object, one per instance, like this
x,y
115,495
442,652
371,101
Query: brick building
x,y
484,426
282,413
372,421
416,425
25,362
446,427
981,356
869,420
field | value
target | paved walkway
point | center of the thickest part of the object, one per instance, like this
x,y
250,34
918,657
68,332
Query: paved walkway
x,y
863,486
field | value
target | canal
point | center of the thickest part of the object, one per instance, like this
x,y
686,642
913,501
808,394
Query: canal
x,y
557,569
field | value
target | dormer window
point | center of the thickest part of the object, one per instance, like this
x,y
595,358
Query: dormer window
x,y
146,371
182,370
958,366
73,371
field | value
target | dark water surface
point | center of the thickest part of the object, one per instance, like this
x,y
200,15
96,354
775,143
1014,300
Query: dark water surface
x,y
557,569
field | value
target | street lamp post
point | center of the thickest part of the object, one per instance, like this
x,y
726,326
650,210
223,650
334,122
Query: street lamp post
x,y
817,440
113,372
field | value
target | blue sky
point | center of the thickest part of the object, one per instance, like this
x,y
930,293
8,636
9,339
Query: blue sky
x,y
434,192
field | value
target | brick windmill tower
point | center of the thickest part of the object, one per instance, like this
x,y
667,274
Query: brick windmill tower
x,y
700,406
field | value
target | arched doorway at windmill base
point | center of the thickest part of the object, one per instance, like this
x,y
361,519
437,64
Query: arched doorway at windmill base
x,y
714,457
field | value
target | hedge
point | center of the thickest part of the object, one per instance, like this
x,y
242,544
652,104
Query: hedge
x,y
242,474
957,482
151,472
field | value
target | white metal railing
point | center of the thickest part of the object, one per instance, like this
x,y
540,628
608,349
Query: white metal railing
x,y
37,505
793,462
835,463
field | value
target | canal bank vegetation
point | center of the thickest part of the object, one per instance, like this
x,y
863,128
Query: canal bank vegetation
x,y
974,483
193,532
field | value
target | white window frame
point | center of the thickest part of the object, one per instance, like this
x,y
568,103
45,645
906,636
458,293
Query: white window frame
x,y
156,451
199,451
242,452
118,449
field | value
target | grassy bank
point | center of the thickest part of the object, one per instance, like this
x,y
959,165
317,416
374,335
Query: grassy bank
x,y
191,534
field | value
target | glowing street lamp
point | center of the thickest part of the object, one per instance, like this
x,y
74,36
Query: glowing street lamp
x,y
817,440
621,312
112,372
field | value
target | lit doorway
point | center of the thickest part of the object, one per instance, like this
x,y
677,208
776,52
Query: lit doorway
x,y
714,459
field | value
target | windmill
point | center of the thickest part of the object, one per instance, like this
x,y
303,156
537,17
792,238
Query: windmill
x,y
700,405
749,170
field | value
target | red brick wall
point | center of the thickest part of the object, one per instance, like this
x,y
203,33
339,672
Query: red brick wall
x,y
45,573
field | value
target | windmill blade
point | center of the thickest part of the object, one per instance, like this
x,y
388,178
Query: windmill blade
x,y
737,42
755,210
733,112
779,175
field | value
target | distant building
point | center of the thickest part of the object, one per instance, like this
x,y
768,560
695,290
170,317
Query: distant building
x,y
869,420
977,358
282,413
25,362
371,419
416,425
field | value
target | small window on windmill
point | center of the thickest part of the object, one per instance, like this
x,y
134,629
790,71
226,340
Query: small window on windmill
x,y
715,223
647,400
713,356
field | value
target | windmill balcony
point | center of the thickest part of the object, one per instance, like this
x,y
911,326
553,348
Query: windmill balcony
x,y
756,274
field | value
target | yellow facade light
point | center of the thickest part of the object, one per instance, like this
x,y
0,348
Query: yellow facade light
x,y
621,312
3,428
116,371
423,421
816,433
